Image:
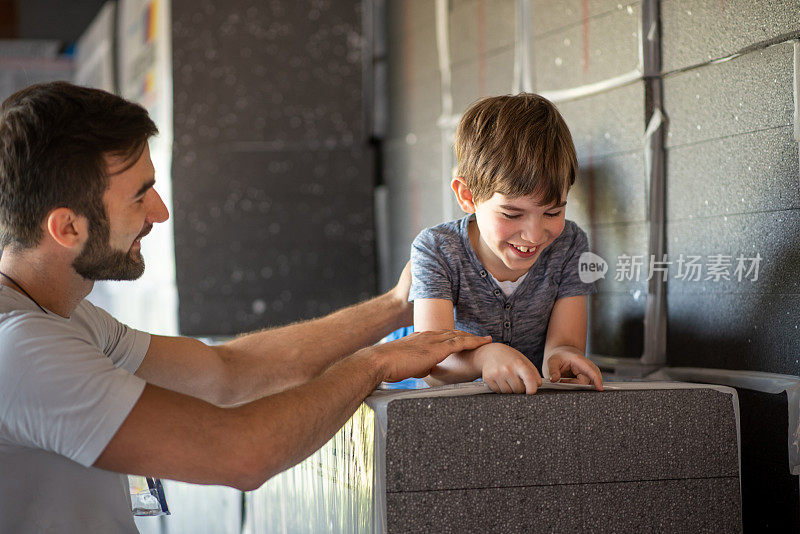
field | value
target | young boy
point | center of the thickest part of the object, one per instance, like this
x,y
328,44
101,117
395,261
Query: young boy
x,y
510,268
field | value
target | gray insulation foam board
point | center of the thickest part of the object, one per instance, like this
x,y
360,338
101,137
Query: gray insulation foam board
x,y
506,461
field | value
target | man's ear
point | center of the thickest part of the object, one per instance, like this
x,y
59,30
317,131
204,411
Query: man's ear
x,y
67,228
463,194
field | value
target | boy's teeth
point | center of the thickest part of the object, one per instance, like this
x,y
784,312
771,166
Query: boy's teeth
x,y
524,249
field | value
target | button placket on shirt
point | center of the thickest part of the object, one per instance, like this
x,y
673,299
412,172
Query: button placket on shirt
x,y
506,322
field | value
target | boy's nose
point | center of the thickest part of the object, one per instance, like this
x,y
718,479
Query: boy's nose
x,y
533,234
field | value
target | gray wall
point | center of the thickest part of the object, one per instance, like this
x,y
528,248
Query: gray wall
x,y
731,174
55,19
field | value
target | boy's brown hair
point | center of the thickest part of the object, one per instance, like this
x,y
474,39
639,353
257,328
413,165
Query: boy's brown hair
x,y
516,145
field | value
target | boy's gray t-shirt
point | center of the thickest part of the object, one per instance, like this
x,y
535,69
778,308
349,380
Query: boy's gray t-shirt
x,y
445,266
66,386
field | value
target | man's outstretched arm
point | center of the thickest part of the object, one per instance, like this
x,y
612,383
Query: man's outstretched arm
x,y
176,436
258,364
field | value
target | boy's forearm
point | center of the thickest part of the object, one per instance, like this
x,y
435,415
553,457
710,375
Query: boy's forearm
x,y
464,366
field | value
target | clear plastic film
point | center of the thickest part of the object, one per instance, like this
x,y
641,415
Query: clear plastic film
x,y
330,491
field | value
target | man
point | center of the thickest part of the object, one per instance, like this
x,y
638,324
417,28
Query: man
x,y
84,398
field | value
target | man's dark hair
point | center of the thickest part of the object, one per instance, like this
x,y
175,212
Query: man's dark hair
x,y
54,140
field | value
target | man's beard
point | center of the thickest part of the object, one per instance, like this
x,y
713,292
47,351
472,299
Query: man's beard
x,y
98,261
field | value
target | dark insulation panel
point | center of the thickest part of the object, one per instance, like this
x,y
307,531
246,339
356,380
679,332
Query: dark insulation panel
x,y
732,324
697,505
478,462
272,172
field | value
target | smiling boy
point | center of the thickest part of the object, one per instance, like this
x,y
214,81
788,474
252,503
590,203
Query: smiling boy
x,y
510,267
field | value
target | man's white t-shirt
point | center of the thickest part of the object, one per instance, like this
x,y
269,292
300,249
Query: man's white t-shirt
x,y
66,386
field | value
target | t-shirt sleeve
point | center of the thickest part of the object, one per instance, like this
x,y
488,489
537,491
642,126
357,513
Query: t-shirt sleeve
x,y
571,284
430,275
125,346
60,393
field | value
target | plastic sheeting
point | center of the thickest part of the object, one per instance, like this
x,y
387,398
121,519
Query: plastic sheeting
x,y
331,491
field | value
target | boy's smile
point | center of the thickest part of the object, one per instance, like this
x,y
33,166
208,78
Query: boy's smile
x,y
509,234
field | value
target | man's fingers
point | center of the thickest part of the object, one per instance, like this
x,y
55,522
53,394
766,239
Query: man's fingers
x,y
464,341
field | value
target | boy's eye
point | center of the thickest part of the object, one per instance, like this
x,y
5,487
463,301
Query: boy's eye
x,y
509,216
552,215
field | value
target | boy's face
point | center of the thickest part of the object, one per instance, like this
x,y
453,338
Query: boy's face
x,y
514,231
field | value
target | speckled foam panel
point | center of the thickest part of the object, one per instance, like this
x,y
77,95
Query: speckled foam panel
x,y
272,171
564,461
695,31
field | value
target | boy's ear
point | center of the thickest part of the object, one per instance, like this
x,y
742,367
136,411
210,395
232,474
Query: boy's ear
x,y
463,194
67,228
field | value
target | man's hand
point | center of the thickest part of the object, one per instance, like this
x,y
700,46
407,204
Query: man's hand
x,y
415,355
400,294
507,370
569,366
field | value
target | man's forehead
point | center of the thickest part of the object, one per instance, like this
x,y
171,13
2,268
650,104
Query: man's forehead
x,y
117,163
128,176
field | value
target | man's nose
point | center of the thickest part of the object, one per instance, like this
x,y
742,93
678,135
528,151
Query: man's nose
x,y
158,211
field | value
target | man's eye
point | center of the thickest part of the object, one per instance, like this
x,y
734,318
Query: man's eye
x,y
507,216
552,215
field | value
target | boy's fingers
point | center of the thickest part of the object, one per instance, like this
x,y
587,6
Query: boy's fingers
x,y
516,384
591,371
583,379
532,383
553,370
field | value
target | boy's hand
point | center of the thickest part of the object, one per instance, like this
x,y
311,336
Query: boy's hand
x,y
507,370
568,366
